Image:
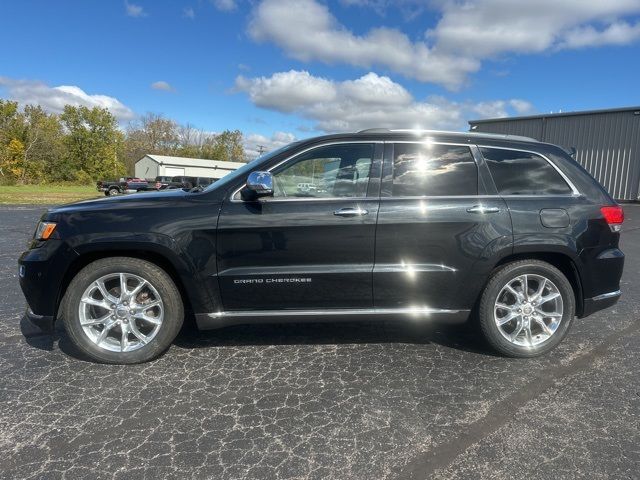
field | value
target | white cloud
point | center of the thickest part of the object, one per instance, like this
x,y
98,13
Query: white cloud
x,y
225,5
255,143
369,101
162,85
286,91
312,33
619,33
134,10
410,9
53,99
188,12
466,33
485,28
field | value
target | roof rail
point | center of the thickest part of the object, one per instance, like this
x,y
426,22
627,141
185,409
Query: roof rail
x,y
421,131
374,130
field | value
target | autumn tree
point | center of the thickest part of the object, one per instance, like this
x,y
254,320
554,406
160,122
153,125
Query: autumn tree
x,y
93,143
84,144
30,143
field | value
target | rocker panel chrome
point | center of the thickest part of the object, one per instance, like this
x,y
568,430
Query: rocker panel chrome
x,y
226,318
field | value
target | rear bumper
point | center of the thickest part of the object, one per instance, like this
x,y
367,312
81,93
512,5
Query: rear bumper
x,y
601,274
600,302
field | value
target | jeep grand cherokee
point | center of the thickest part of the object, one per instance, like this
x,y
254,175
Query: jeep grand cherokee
x,y
507,231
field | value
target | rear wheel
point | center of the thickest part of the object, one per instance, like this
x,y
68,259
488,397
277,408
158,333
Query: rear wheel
x,y
122,310
526,309
113,191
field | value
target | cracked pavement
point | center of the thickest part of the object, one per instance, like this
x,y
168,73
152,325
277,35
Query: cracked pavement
x,y
321,401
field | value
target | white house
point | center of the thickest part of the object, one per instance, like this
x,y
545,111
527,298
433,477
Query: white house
x,y
151,166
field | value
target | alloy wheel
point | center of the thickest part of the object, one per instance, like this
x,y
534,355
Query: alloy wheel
x,y
528,310
121,312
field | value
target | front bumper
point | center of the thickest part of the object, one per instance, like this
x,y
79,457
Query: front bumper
x,y
43,322
42,271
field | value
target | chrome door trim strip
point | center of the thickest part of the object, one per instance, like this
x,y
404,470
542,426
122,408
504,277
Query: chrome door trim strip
x,y
338,311
604,296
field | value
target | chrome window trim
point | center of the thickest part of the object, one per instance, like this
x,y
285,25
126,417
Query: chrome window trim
x,y
480,197
337,311
575,191
313,199
327,144
434,142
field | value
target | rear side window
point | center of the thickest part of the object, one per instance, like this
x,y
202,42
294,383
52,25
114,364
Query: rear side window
x,y
522,173
423,169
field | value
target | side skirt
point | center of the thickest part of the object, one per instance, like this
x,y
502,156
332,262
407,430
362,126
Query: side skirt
x,y
209,321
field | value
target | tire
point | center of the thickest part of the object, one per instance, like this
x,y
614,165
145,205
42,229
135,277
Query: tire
x,y
499,304
150,323
113,191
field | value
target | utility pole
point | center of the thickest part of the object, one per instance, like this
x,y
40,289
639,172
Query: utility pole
x,y
261,149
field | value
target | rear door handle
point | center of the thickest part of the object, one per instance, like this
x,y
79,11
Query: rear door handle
x,y
351,212
482,209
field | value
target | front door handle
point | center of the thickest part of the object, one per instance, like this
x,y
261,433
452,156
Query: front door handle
x,y
482,209
351,212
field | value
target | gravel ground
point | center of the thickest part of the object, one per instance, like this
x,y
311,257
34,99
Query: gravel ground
x,y
341,401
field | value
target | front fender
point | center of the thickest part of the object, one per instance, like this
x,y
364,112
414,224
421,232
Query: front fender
x,y
153,246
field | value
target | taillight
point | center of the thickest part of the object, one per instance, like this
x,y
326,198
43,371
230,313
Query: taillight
x,y
614,216
126,185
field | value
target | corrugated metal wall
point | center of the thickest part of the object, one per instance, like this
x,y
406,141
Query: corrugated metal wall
x,y
607,143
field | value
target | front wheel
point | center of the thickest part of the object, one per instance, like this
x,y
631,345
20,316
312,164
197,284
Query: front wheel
x,y
526,308
122,310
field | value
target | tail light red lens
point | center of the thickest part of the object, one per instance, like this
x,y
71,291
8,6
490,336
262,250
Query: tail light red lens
x,y
614,216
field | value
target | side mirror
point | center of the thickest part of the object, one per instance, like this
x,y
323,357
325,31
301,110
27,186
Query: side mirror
x,y
259,184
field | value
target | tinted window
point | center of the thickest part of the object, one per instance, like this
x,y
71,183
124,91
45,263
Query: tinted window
x,y
331,171
522,173
422,169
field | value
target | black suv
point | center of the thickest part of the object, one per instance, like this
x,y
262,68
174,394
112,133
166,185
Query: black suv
x,y
373,225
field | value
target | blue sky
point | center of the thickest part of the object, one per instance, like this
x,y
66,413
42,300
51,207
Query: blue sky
x,y
279,69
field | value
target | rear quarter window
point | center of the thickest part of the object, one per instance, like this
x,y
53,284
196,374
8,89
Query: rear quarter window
x,y
523,173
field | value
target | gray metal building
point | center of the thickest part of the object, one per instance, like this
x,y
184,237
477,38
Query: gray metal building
x,y
607,142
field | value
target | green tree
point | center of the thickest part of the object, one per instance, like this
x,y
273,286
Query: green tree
x,y
225,146
30,142
93,143
43,140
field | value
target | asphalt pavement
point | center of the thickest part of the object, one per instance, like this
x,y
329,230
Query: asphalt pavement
x,y
321,401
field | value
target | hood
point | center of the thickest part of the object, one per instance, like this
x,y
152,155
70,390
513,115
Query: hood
x,y
123,201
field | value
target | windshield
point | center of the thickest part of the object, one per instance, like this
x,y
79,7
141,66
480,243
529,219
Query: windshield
x,y
245,169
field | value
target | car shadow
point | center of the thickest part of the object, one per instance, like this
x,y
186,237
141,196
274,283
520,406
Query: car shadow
x,y
464,337
48,340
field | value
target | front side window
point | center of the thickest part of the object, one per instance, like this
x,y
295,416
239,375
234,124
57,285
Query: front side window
x,y
424,169
326,172
522,173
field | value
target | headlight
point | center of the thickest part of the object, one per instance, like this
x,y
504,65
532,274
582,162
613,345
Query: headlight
x,y
44,230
